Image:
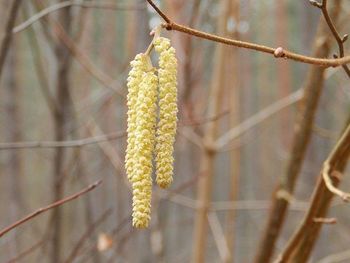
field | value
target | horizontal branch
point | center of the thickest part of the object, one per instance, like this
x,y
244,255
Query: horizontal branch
x,y
278,52
62,144
80,3
51,206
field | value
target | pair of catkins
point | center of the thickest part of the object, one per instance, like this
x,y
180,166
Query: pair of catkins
x,y
152,117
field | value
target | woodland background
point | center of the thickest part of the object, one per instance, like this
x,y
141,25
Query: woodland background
x,y
64,79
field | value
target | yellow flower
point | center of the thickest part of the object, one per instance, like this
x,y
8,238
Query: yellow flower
x,y
138,68
146,117
166,129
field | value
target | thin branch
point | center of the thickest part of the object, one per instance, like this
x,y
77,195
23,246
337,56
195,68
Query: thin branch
x,y
219,236
328,169
80,3
321,198
28,251
262,115
51,206
5,43
87,233
276,52
62,144
327,221
338,257
330,23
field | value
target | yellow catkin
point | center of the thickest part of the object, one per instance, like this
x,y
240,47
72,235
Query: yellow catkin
x,y
138,68
166,128
146,116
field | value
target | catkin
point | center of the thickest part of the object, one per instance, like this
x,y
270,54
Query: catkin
x,y
138,68
146,116
166,128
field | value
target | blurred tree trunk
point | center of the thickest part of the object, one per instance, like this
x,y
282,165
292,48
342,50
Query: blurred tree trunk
x,y
60,122
233,84
313,88
207,170
13,128
6,37
283,69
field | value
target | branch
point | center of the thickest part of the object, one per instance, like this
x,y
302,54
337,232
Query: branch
x,y
62,144
335,33
88,232
64,4
51,206
5,43
259,117
320,201
276,52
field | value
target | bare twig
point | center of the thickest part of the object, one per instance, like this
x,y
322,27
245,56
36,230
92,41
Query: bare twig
x,y
340,40
327,221
51,206
327,170
219,236
88,232
342,256
27,251
281,53
80,3
5,42
313,86
320,200
259,117
62,144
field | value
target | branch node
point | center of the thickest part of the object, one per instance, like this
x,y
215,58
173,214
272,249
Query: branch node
x,y
315,3
285,195
345,37
279,52
326,174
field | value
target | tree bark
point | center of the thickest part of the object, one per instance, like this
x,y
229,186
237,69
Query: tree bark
x,y
313,89
204,193
60,121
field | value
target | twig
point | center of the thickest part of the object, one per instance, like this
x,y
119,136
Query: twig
x,y
64,4
342,256
62,144
5,43
329,21
327,221
51,206
328,169
321,198
84,60
27,251
277,52
219,236
259,117
88,232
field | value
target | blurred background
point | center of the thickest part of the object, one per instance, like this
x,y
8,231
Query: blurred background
x,y
63,121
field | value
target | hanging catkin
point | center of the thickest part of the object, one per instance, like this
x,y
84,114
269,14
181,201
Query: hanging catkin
x,y
166,128
146,116
138,68
145,88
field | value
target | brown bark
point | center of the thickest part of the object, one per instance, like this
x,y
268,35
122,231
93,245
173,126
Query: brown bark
x,y
283,68
302,135
13,129
232,77
302,242
204,193
60,121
